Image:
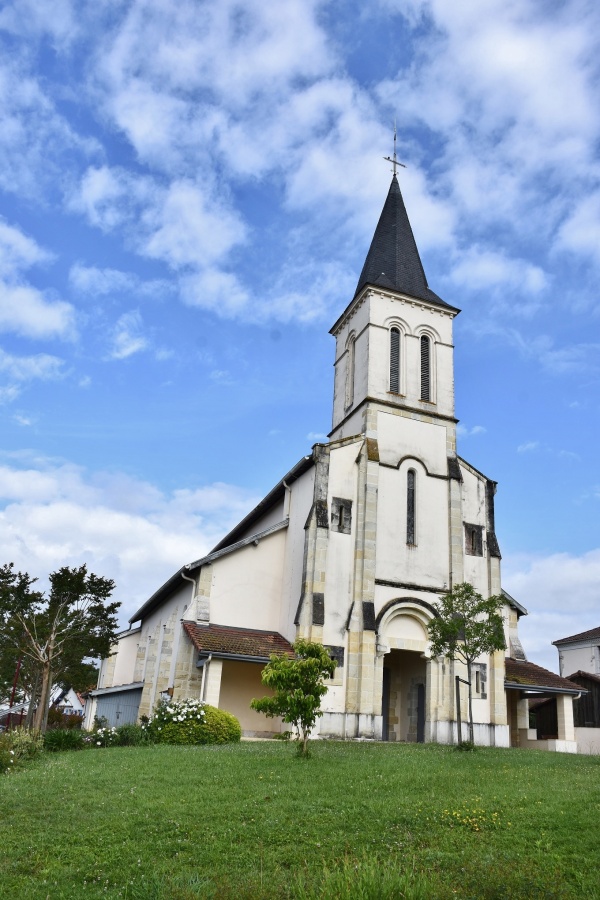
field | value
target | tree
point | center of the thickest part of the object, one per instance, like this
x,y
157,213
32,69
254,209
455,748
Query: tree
x,y
467,625
298,688
55,634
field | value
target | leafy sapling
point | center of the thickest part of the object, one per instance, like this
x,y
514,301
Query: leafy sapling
x,y
467,625
298,686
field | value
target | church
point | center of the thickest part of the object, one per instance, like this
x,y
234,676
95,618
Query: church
x,y
353,548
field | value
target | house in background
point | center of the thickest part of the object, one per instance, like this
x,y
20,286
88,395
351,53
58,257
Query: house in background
x,y
69,702
353,548
580,656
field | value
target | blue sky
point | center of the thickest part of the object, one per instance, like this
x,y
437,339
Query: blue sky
x,y
188,192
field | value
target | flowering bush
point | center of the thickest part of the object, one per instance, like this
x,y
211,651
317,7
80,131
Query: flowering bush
x,y
17,745
192,722
103,737
7,754
26,744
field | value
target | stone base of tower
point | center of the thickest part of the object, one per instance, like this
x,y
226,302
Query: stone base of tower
x,y
485,735
356,726
351,726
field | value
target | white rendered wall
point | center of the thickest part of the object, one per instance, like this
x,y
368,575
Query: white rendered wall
x,y
299,504
247,584
270,517
340,551
126,655
581,657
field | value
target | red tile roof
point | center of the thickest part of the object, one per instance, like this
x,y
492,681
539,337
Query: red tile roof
x,y
530,675
226,641
592,635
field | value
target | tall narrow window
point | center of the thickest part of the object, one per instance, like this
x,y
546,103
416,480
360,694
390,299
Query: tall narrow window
x,y
425,368
350,371
410,507
395,360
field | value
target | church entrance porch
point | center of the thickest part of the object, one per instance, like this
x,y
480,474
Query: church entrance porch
x,y
403,699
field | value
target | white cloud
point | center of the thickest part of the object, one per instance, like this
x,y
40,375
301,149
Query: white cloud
x,y
111,197
18,251
127,336
28,368
580,232
54,514
479,268
509,93
91,281
464,431
192,228
8,393
231,56
35,139
562,594
26,311
316,436
58,19
528,447
218,291
24,421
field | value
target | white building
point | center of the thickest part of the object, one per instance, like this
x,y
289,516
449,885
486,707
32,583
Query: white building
x,y
353,547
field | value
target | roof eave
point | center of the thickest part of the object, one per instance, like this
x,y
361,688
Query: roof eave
x,y
370,286
541,689
272,497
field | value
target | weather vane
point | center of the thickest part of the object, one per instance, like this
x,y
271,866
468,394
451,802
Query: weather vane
x,y
394,160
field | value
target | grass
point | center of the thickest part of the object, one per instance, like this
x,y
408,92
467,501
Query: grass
x,y
252,821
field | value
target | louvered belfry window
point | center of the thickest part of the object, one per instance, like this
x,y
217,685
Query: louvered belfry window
x,y
395,360
410,506
425,368
350,372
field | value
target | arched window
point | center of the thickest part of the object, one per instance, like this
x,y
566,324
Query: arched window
x,y
425,367
395,360
410,506
350,371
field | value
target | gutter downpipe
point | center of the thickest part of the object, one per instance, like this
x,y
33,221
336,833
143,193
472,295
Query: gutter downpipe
x,y
288,499
192,582
203,684
207,662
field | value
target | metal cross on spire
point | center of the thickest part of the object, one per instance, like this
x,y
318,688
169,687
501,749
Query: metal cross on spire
x,y
394,159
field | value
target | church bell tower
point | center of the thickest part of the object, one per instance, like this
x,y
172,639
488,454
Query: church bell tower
x,y
394,340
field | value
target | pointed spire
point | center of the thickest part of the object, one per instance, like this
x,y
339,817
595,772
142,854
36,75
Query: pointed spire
x,y
393,260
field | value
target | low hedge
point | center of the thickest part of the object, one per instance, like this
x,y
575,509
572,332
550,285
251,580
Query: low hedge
x,y
193,722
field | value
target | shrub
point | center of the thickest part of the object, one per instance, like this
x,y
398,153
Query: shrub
x,y
193,722
7,754
132,736
26,744
220,727
59,719
104,737
63,739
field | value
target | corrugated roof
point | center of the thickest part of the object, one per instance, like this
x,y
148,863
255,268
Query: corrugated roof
x,y
592,635
531,676
393,259
222,639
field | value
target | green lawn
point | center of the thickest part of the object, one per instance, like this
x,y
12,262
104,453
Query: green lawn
x,y
251,820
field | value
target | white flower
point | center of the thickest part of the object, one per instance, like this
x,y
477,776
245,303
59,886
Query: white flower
x,y
99,743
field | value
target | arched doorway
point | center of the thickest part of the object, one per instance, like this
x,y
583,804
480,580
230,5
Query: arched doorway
x,y
402,641
404,682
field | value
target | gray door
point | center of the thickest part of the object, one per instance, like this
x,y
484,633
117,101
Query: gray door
x,y
120,708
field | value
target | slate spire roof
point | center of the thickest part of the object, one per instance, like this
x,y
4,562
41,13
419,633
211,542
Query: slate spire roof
x,y
393,260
